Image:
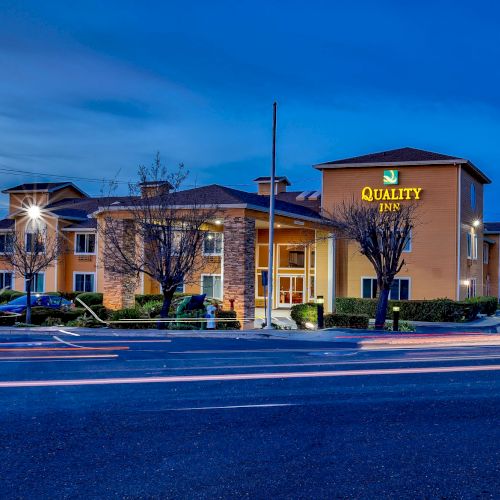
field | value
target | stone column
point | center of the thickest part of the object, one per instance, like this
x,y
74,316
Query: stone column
x,y
119,287
239,267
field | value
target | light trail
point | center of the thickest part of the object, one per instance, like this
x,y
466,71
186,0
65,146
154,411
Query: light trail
x,y
246,376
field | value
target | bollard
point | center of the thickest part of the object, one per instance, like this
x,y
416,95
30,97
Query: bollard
x,y
395,318
321,312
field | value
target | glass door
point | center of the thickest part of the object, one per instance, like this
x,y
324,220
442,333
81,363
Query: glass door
x,y
291,290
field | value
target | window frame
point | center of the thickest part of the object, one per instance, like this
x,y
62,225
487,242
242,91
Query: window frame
x,y
75,273
278,255
89,233
31,233
374,280
409,243
43,283
486,253
2,274
214,275
473,196
472,287
217,234
6,235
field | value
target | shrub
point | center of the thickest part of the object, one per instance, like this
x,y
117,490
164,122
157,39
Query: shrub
x,y
487,305
227,325
346,320
40,314
100,311
412,310
90,298
141,299
127,314
69,295
50,321
152,308
8,295
7,319
304,313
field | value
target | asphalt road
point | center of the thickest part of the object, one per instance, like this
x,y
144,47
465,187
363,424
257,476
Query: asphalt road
x,y
230,418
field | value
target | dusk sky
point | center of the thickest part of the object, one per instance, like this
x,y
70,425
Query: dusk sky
x,y
93,89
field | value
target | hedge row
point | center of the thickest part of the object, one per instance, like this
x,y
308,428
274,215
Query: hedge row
x,y
346,320
437,310
487,305
141,299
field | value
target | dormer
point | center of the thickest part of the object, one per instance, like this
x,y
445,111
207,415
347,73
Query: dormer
x,y
264,183
41,194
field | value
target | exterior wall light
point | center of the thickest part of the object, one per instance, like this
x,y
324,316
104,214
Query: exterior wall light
x,y
218,222
476,223
466,282
34,212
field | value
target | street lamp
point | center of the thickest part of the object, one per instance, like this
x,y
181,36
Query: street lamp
x,y
321,312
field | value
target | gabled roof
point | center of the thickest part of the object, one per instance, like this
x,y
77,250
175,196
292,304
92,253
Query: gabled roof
x,y
403,157
220,196
48,187
492,227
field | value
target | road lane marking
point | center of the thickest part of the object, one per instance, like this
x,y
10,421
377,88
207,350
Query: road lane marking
x,y
31,349
67,343
232,407
62,358
70,333
246,376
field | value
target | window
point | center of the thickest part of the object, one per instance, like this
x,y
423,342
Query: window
x,y
471,288
407,247
5,279
473,196
486,253
35,242
212,244
291,256
5,243
472,250
474,246
84,243
84,282
211,286
37,283
400,289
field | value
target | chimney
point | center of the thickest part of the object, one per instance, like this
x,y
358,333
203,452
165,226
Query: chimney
x,y
149,189
264,185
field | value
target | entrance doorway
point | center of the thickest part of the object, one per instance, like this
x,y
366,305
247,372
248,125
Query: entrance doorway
x,y
290,290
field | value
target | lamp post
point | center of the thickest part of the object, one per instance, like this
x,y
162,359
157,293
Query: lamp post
x,y
395,318
321,312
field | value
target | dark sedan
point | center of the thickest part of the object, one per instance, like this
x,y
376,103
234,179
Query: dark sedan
x,y
37,300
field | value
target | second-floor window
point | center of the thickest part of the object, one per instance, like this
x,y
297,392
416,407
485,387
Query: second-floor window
x,y
5,243
35,242
212,244
472,249
84,243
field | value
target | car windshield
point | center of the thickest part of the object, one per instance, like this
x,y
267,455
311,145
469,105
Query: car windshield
x,y
21,301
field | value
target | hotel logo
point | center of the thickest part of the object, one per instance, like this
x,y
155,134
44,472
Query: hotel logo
x,y
391,177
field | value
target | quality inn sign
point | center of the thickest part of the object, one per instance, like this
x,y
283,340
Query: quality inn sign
x,y
388,196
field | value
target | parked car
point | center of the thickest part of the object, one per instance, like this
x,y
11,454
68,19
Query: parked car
x,y
37,300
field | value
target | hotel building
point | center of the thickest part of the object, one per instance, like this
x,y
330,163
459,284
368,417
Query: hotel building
x,y
452,252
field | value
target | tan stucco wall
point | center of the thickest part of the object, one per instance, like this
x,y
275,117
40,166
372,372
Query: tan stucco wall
x,y
432,263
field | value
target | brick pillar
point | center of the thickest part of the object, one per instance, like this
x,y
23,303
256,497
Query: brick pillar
x,y
239,267
119,287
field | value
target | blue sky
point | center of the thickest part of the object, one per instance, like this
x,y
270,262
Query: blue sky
x,y
93,89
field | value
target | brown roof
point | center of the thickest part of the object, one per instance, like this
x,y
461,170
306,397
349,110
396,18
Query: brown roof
x,y
404,156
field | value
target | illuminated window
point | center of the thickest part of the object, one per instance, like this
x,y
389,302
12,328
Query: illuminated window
x,y
292,256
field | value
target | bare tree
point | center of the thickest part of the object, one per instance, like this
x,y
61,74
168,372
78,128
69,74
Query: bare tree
x,y
32,251
381,237
165,232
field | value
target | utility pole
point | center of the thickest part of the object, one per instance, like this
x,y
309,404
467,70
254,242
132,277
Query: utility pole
x,y
271,228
